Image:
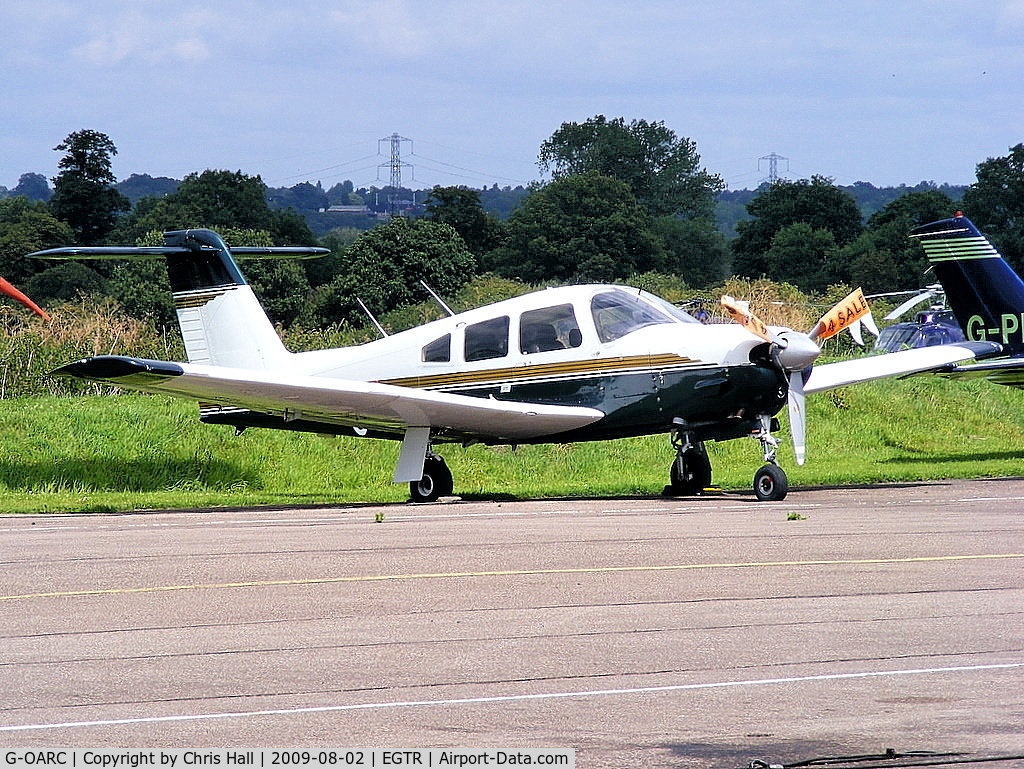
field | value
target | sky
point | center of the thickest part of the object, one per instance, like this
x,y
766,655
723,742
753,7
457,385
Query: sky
x,y
888,93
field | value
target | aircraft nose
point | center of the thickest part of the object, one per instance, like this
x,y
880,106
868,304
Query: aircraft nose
x,y
799,352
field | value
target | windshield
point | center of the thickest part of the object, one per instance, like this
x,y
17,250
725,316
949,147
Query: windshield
x,y
617,313
676,312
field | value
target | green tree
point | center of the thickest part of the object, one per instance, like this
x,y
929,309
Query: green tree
x,y
816,202
33,187
385,265
995,203
460,208
213,199
662,170
913,209
138,186
143,290
803,256
883,258
27,226
65,282
218,200
83,191
302,197
586,228
694,249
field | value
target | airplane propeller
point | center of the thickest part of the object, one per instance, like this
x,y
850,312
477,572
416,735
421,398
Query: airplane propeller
x,y
794,353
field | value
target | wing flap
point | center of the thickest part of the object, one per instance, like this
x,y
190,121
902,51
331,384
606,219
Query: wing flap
x,y
916,361
336,401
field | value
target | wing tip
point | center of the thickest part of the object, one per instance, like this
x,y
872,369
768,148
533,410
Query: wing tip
x,y
117,367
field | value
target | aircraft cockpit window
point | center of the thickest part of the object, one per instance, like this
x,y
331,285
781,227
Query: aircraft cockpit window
x,y
438,351
550,328
488,339
671,309
617,313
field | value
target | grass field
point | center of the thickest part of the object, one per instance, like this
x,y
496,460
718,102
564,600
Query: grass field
x,y
108,453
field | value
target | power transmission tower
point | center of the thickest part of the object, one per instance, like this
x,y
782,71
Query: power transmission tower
x,y
773,166
395,165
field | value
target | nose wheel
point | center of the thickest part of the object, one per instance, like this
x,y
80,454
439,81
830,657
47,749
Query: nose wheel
x,y
770,482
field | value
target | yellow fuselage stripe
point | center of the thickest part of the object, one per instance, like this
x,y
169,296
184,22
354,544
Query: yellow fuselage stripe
x,y
576,369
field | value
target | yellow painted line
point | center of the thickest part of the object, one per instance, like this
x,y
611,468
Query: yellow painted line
x,y
508,573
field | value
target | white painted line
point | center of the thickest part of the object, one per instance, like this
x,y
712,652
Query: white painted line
x,y
513,697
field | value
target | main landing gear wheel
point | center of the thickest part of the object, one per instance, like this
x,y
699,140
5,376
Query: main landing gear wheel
x,y
436,481
770,484
690,473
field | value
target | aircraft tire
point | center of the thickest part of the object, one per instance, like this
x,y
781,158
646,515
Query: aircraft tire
x,y
690,473
436,481
770,484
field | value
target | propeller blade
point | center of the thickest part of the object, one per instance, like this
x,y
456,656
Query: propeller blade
x,y
869,323
798,415
846,311
740,313
11,291
854,329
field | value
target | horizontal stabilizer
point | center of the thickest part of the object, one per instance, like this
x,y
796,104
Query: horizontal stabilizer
x,y
161,252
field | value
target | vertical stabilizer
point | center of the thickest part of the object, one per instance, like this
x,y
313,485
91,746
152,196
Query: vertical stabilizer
x,y
983,291
222,321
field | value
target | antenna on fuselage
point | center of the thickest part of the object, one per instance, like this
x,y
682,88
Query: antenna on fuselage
x,y
369,315
436,298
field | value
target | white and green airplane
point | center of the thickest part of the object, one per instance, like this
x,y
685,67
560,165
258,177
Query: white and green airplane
x,y
576,363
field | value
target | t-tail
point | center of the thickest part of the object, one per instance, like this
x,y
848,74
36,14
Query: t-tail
x,y
222,322
983,291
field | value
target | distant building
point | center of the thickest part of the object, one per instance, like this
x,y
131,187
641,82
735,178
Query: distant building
x,y
363,210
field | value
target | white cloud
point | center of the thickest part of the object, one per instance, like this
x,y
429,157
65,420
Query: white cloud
x,y
134,36
859,90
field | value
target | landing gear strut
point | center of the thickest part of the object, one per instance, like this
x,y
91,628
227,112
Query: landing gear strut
x,y
770,483
436,481
691,470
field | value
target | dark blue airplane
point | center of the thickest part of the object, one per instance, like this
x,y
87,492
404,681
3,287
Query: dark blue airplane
x,y
984,293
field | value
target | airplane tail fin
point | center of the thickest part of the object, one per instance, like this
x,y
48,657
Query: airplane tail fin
x,y
221,320
983,291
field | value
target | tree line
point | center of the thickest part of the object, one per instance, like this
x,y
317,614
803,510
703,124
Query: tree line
x,y
627,201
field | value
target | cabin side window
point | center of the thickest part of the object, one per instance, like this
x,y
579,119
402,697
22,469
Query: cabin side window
x,y
438,351
617,313
488,339
550,328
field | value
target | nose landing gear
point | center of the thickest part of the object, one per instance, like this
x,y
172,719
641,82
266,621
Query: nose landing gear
x,y
770,482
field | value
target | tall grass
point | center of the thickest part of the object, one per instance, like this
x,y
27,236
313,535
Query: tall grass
x,y
31,348
70,446
130,452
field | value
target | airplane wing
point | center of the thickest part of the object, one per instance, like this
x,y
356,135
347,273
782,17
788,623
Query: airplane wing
x,y
916,361
1005,371
370,405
